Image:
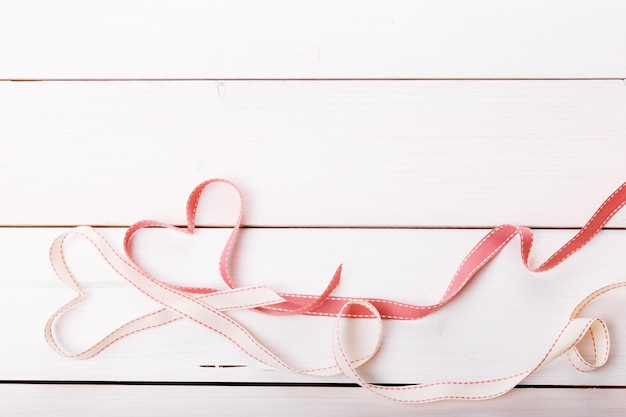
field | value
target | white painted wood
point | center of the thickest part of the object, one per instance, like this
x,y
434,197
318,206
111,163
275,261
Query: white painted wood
x,y
324,39
346,154
166,401
501,324
400,154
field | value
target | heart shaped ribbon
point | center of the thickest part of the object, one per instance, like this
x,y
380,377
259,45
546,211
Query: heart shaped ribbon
x,y
208,311
327,305
207,307
288,306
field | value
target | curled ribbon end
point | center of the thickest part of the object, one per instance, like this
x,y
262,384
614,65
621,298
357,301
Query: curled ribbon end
x,y
597,337
337,277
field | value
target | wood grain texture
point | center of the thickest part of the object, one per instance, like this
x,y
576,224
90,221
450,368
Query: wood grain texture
x,y
160,401
300,39
393,154
391,176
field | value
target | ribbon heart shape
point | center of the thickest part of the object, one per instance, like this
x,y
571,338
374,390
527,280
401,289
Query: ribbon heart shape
x,y
208,311
241,298
327,305
208,307
205,309
292,304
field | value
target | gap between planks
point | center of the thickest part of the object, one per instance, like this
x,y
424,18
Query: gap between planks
x,y
307,227
273,384
299,79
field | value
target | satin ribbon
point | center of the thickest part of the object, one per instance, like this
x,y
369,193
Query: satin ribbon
x,y
208,311
327,305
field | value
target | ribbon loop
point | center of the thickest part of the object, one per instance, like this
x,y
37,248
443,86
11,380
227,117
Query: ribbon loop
x,y
326,304
237,299
599,337
206,310
285,308
207,307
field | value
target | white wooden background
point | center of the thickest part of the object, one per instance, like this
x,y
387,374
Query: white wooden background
x,y
384,136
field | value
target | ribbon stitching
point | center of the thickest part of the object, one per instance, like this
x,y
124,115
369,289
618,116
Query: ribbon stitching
x,y
207,307
327,305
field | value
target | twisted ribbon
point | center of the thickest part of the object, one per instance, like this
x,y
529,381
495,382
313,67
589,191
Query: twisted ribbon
x,y
208,307
327,305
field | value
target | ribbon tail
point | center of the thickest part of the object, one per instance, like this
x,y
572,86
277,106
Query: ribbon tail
x,y
293,307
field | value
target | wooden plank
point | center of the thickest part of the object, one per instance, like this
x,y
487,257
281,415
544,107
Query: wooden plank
x,y
502,323
400,154
296,39
165,401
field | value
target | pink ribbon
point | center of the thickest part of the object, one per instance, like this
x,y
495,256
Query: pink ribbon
x,y
208,307
327,305
307,304
209,311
